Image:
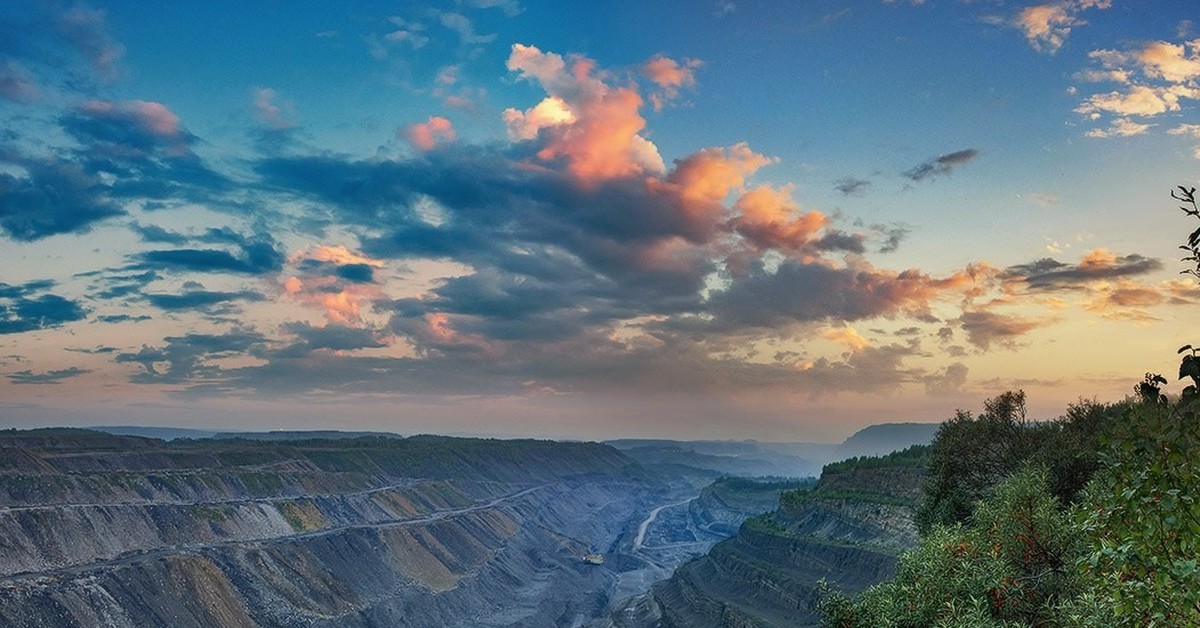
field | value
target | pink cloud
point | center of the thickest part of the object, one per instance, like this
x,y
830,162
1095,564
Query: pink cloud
x,y
313,281
670,76
151,117
269,112
770,219
594,127
424,136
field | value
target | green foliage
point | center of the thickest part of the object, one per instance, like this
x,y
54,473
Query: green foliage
x,y
1192,244
914,456
1010,567
1124,551
1143,516
971,454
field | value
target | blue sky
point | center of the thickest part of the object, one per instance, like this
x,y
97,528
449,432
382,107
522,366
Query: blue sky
x,y
741,219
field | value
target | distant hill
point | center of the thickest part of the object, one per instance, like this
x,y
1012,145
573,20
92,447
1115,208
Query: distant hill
x,y
162,433
289,435
877,440
746,458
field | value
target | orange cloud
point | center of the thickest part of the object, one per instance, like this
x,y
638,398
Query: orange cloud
x,y
670,76
848,337
424,136
317,281
592,126
335,254
711,174
769,219
1171,62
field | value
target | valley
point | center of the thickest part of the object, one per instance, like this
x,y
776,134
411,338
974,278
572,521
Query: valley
x,y
121,530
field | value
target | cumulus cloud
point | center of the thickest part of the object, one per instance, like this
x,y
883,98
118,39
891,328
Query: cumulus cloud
x,y
670,76
985,329
601,137
768,218
942,165
509,7
571,258
1187,130
1157,78
335,279
1047,26
1139,100
1121,127
948,381
54,197
424,136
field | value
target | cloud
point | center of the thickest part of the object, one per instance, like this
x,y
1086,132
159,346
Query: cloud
x,y
424,136
670,76
799,292
851,186
258,254
1047,26
54,197
1174,63
28,307
48,377
1097,265
949,381
848,337
1121,127
143,148
941,166
334,278
987,328
16,83
601,139
133,124
1042,199
462,25
86,29
189,357
1187,130
768,218
1139,100
272,114
1159,77
510,8
208,301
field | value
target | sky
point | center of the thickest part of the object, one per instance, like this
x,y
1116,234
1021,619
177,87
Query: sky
x,y
695,220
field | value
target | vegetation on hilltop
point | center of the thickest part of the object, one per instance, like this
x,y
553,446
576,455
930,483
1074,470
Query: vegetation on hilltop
x,y
1088,521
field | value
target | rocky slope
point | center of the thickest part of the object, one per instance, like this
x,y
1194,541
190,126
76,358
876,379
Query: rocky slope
x,y
847,530
104,530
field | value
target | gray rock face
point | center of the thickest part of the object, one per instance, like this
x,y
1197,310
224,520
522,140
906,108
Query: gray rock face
x,y
847,531
120,531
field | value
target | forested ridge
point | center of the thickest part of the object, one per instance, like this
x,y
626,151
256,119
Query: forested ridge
x,y
1090,520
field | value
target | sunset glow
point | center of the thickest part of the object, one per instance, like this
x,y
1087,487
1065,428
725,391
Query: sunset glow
x,y
781,221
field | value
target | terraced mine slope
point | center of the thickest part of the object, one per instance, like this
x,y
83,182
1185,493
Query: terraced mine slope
x,y
849,530
106,530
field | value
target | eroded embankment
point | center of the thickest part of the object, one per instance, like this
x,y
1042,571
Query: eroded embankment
x,y
132,532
